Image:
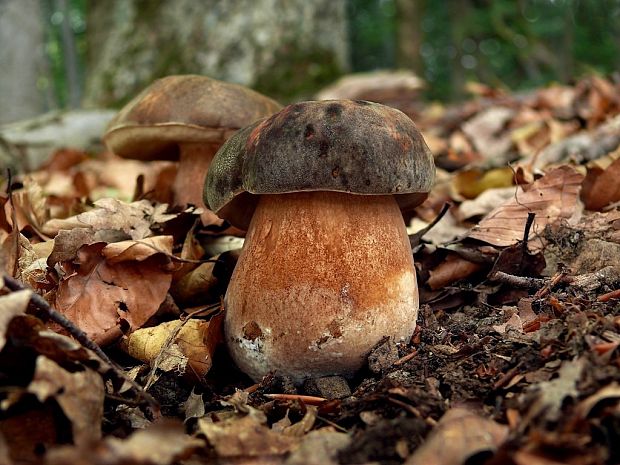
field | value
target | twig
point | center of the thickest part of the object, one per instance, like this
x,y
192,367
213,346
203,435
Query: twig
x,y
331,423
608,296
43,306
523,282
310,400
405,358
507,377
526,235
555,279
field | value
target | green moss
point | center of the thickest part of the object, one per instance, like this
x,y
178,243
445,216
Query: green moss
x,y
298,73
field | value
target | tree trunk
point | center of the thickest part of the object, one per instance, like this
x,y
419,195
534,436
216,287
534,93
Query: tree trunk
x,y
409,34
70,57
22,59
282,47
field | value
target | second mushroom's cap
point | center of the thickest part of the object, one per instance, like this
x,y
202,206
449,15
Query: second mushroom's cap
x,y
185,108
335,145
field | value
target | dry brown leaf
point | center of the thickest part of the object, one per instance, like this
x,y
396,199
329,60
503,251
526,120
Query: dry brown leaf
x,y
459,435
522,457
319,447
97,295
485,202
486,131
29,433
607,393
601,186
134,219
245,437
29,207
452,269
551,198
80,396
137,250
163,443
12,305
550,395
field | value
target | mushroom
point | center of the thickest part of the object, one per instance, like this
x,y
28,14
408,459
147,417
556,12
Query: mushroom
x,y
185,118
326,270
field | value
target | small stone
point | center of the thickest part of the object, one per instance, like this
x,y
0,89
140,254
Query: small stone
x,y
328,387
382,356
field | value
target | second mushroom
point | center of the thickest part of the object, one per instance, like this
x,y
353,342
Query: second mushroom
x,y
185,118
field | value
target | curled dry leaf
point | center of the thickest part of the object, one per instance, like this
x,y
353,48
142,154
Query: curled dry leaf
x,y
190,352
98,295
138,250
134,219
459,435
28,208
601,186
80,396
552,197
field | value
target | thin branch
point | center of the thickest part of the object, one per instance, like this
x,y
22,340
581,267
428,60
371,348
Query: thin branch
x,y
522,282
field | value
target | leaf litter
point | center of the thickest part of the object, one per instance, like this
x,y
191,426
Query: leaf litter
x,y
515,359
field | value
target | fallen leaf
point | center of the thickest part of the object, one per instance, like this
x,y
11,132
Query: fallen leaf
x,y
487,132
459,435
611,392
452,269
320,447
190,352
473,182
551,198
98,296
550,395
29,433
12,305
245,438
484,203
80,396
134,219
138,251
163,443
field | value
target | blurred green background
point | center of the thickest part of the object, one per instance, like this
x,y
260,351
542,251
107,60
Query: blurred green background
x,y
100,53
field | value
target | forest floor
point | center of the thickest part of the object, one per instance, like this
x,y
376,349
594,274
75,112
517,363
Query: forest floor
x,y
515,359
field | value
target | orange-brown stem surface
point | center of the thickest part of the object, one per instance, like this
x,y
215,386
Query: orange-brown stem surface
x,y
194,161
322,278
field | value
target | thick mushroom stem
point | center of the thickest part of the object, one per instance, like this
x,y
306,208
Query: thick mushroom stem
x,y
194,161
322,278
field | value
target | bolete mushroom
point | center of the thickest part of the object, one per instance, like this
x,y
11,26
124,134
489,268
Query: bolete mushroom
x,y
185,118
326,270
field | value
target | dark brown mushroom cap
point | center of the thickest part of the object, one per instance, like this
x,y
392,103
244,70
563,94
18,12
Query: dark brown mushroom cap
x,y
336,145
185,108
